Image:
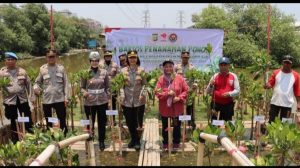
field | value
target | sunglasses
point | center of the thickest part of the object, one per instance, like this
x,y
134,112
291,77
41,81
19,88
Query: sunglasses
x,y
51,56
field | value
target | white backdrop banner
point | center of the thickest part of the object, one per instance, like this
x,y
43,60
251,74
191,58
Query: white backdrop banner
x,y
156,45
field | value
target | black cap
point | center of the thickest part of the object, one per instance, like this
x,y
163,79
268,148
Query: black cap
x,y
132,53
167,61
287,58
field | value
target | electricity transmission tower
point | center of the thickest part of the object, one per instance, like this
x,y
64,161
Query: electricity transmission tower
x,y
180,18
146,18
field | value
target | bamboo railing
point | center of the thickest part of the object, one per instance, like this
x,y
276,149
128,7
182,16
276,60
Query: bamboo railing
x,y
46,154
238,157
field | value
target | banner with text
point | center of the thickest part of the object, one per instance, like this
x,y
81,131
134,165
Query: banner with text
x,y
156,45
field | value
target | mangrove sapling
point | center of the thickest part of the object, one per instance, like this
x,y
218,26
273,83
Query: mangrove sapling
x,y
32,74
235,131
117,83
4,82
73,79
253,99
285,140
24,152
244,87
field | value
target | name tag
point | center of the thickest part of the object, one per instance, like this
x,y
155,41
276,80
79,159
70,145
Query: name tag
x,y
84,122
95,91
261,118
21,77
111,112
46,76
218,122
53,120
23,119
59,75
185,117
289,120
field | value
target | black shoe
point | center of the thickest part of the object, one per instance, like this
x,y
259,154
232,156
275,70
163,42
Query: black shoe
x,y
137,145
101,146
131,144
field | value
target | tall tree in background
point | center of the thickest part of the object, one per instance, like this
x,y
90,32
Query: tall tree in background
x,y
245,27
39,30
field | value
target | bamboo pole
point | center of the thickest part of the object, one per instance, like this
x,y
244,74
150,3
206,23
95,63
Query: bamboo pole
x,y
45,155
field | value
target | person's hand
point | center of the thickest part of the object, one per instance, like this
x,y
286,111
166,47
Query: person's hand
x,y
142,98
121,99
37,91
195,86
85,94
176,99
211,83
66,102
267,86
171,93
226,94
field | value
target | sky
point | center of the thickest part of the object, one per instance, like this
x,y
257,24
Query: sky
x,y
162,15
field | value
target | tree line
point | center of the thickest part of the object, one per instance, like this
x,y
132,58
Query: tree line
x,y
245,27
26,29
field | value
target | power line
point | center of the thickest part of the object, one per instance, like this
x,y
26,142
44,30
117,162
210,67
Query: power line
x,y
135,10
134,14
180,17
126,14
146,18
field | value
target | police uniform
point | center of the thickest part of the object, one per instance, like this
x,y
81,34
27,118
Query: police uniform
x,y
96,102
53,82
16,95
112,69
181,69
133,108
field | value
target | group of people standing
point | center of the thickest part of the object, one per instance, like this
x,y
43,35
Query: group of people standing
x,y
171,90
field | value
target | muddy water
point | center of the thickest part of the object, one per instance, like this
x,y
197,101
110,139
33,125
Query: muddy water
x,y
72,63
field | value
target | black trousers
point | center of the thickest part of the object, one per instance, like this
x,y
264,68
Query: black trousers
x,y
226,111
60,109
100,110
190,111
176,123
274,111
11,112
134,118
113,102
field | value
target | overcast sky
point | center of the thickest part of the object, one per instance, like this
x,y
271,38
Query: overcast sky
x,y
161,14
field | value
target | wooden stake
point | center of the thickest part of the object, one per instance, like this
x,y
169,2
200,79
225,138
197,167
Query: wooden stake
x,y
23,126
200,154
169,136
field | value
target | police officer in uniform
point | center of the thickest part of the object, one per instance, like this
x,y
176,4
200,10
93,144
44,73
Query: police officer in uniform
x,y
123,60
52,81
133,97
112,69
181,69
16,94
96,94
